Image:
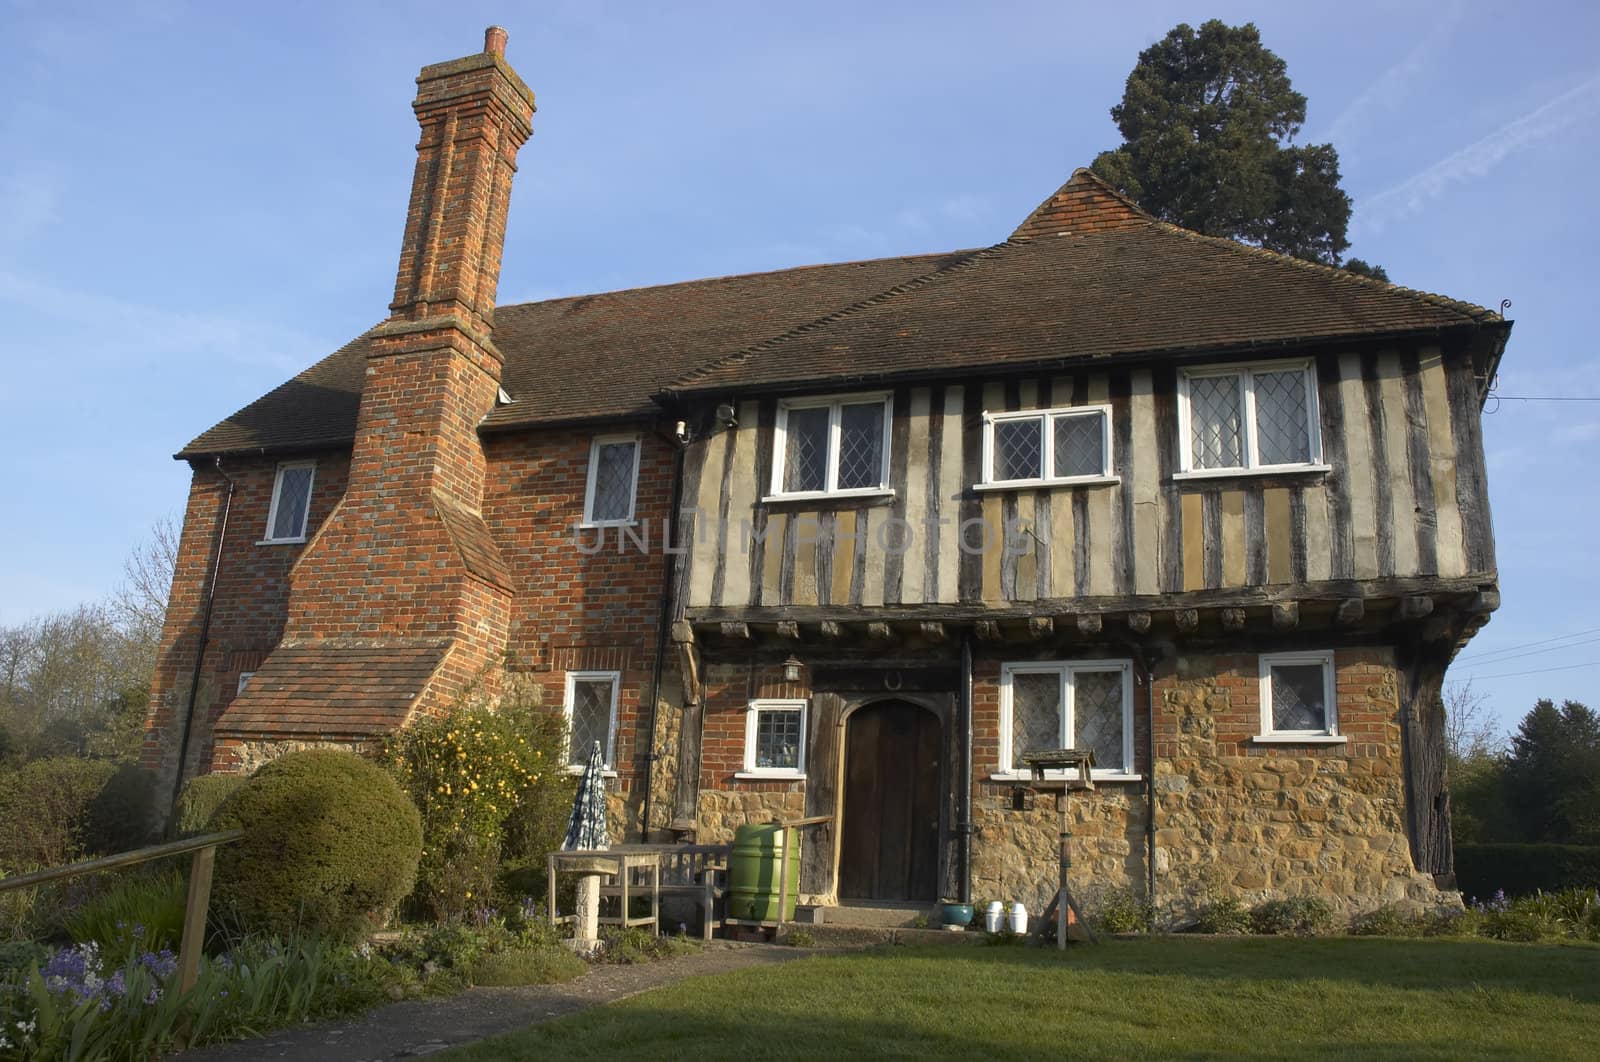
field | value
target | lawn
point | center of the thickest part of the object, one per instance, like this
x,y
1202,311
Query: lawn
x,y
1252,998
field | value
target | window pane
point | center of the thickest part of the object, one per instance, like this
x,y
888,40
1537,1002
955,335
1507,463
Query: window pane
x,y
613,481
1097,714
778,738
591,718
1298,697
1035,714
294,496
1281,413
861,446
805,450
1214,422
1018,449
1080,445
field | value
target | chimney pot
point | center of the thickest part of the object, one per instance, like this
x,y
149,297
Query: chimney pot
x,y
494,40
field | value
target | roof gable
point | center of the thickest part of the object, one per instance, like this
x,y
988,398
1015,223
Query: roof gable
x,y
1084,204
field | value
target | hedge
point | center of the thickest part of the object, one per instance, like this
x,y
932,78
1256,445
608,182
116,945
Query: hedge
x,y
1523,869
202,796
44,811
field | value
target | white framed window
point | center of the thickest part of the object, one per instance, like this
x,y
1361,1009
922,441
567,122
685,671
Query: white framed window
x,y
291,502
613,480
592,716
244,682
836,446
1297,698
1039,447
1085,704
1249,418
775,739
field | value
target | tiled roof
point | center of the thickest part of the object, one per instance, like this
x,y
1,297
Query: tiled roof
x,y
333,688
589,356
1086,276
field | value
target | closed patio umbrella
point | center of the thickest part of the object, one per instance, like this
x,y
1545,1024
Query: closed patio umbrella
x,y
586,832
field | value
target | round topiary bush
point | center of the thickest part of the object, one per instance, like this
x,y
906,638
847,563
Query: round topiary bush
x,y
202,796
330,845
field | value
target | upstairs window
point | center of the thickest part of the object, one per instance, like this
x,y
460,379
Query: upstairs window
x,y
291,502
613,480
774,739
1041,447
1248,418
592,715
1083,704
1297,697
832,446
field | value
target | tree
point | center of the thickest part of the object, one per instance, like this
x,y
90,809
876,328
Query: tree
x,y
140,602
1552,774
1208,120
1475,754
1367,269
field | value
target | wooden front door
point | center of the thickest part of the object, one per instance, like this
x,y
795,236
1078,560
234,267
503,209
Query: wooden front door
x,y
889,836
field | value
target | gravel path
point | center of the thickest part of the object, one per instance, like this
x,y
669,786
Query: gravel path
x,y
423,1026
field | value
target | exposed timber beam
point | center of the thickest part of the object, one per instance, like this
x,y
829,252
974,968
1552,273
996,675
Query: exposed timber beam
x,y
1286,615
1040,627
736,630
830,630
1186,620
933,631
880,632
788,630
1139,622
986,630
1350,612
1415,606
1232,619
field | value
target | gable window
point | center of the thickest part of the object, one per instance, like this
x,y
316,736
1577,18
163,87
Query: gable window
x,y
775,739
1297,698
1083,704
1244,418
244,682
613,480
832,446
1044,446
592,716
291,502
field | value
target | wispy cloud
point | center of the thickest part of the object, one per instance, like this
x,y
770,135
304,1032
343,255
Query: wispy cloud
x,y
29,197
1478,158
1391,89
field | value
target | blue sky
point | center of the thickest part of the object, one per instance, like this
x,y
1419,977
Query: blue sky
x,y
198,200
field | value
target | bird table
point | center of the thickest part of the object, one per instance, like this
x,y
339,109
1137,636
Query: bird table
x,y
1070,762
590,866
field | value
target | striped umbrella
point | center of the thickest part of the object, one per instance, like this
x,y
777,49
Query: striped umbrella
x,y
586,830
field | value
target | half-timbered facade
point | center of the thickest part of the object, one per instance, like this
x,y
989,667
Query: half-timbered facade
x,y
844,543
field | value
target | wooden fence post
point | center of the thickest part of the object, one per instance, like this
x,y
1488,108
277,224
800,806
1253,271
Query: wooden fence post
x,y
194,917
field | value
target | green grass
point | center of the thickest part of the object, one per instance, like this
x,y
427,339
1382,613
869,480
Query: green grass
x,y
528,966
1251,998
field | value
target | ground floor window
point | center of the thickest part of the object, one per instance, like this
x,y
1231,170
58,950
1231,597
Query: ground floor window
x,y
1297,698
1086,704
592,715
775,738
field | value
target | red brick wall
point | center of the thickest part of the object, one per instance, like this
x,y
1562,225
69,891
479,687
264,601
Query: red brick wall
x,y
729,689
251,601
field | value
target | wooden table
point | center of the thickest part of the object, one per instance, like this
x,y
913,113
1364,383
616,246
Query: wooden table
x,y
619,864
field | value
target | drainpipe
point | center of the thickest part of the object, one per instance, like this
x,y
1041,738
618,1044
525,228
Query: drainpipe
x,y
200,651
1149,781
663,623
965,712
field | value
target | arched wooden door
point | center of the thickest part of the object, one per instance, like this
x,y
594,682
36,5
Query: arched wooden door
x,y
889,834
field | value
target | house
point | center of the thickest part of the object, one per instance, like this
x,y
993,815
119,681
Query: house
x,y
847,541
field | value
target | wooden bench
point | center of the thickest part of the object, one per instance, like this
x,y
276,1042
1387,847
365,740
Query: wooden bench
x,y
696,871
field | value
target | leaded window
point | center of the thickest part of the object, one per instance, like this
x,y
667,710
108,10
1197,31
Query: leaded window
x,y
1297,695
775,736
592,715
832,446
613,480
291,501
1047,446
1084,704
1249,417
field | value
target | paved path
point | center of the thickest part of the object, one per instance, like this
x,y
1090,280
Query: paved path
x,y
422,1026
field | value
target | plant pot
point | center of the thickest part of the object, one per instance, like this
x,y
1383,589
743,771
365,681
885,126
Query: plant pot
x,y
958,914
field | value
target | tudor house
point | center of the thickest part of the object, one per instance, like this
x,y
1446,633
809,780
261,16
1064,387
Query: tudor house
x,y
847,541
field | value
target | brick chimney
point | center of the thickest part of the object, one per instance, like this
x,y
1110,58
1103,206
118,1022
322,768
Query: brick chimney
x,y
402,597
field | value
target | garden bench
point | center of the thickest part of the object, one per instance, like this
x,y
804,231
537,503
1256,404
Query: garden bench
x,y
696,871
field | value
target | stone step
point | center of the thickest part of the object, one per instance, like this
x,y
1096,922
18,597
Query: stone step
x,y
882,916
829,935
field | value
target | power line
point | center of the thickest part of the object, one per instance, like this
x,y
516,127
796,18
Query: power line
x,y
1505,655
1546,398
1530,645
1536,671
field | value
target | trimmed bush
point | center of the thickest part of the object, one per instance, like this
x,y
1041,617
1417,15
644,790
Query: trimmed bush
x,y
1301,916
1223,914
201,797
1124,911
122,815
1524,869
44,811
330,845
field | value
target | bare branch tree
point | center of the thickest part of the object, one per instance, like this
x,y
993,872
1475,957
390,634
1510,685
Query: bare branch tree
x,y
140,601
1469,728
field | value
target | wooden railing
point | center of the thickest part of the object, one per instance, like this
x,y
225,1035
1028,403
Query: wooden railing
x,y
195,907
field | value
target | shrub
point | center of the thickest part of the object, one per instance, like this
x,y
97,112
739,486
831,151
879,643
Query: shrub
x,y
494,798
1301,916
1524,869
44,811
201,797
140,912
1123,911
1388,921
635,944
1222,914
330,846
122,815
527,966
